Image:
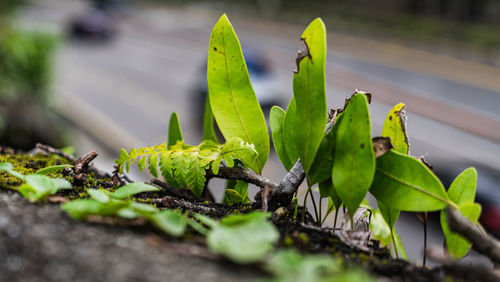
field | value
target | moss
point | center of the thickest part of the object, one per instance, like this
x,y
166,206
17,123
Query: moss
x,y
28,164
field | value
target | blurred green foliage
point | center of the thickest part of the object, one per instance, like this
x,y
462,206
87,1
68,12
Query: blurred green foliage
x,y
25,65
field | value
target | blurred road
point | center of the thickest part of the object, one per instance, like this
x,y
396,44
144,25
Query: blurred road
x,y
122,93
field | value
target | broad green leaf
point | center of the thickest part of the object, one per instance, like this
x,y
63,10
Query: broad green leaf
x,y
70,150
169,221
82,208
174,130
143,209
208,221
50,169
132,189
407,184
37,187
395,128
208,123
289,132
321,168
354,159
232,99
290,265
243,238
334,199
99,195
309,93
457,245
239,186
7,167
60,184
463,188
390,214
232,197
276,121
198,227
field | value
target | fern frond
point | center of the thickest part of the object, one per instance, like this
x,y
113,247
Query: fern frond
x,y
184,165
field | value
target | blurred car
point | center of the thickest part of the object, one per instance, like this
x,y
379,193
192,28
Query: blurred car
x,y
487,192
261,76
95,24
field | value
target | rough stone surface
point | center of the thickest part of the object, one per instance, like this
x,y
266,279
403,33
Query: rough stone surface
x,y
39,242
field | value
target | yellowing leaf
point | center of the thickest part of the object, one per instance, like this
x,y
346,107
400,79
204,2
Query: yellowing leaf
x,y
395,128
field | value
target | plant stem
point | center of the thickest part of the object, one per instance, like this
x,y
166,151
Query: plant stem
x,y
320,221
394,243
304,206
335,220
314,205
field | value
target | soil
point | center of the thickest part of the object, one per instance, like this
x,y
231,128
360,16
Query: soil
x,y
40,242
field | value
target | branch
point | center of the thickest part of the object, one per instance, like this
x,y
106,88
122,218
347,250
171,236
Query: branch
x,y
249,176
180,193
482,242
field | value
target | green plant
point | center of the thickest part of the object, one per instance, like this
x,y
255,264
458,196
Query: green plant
x,y
25,65
38,186
290,265
337,153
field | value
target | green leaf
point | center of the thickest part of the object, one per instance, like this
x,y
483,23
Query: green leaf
x,y
7,167
37,187
208,123
354,159
99,195
60,184
321,168
170,222
141,163
82,208
326,188
290,265
389,214
153,165
174,130
242,188
243,238
407,184
50,169
457,245
309,93
208,221
289,132
463,188
232,197
132,189
395,128
143,209
232,99
196,180
276,121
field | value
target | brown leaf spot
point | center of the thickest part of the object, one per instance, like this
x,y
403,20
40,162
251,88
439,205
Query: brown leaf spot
x,y
381,145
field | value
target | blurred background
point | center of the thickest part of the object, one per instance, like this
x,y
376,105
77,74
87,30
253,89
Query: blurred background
x,y
107,74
